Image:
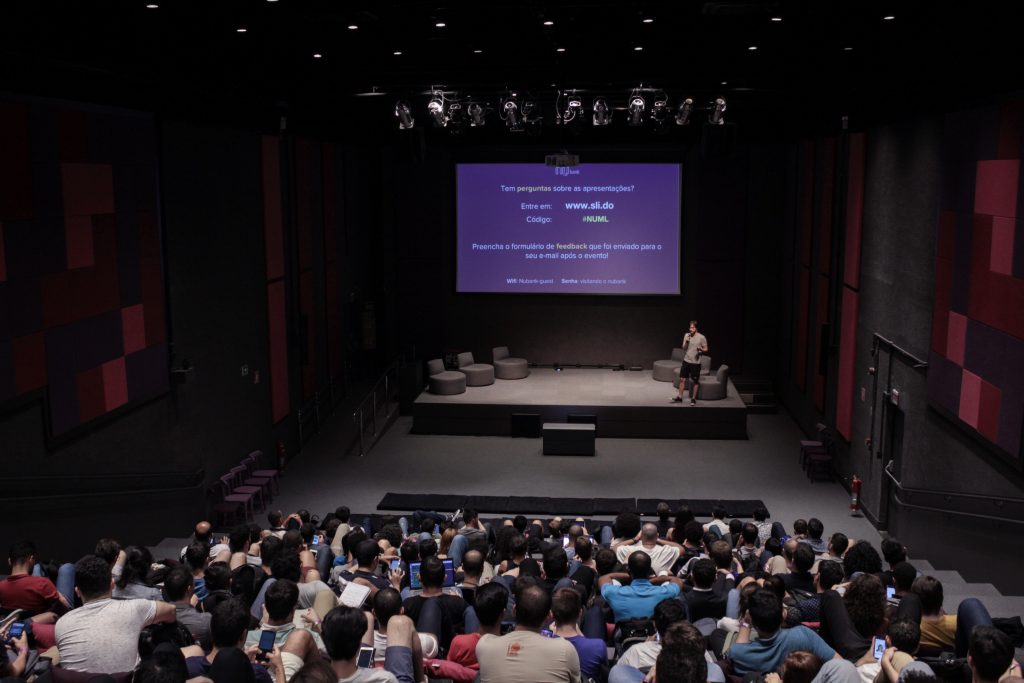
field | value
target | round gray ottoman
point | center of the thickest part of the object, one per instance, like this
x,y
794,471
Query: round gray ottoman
x,y
444,382
509,368
477,374
666,370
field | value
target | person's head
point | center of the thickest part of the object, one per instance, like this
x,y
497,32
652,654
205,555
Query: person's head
x,y
666,613
693,327
838,543
275,518
270,549
830,573
703,573
22,554
556,563
387,602
428,548
627,525
316,670
664,511
773,546
229,623
649,533
352,539
746,591
803,558
761,514
307,531
92,577
217,576
693,532
138,561
865,602
584,549
990,653
707,539
447,536
788,548
367,554
800,667
292,540
863,558
639,564
566,606
342,514
775,584
903,575
490,602
432,573
281,599
800,527
749,534
605,561
718,512
166,664
681,659
469,517
287,565
735,526
177,583
905,634
473,564
765,609
304,515
342,631
533,605
518,546
196,556
108,549
683,515
721,554
238,539
929,590
519,523
893,551
815,528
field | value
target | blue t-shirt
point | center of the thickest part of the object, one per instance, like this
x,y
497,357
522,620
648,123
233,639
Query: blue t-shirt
x,y
593,654
766,654
638,599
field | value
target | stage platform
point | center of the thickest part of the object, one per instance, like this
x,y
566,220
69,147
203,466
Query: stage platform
x,y
627,404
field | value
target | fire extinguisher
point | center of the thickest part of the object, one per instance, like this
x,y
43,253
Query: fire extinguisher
x,y
855,495
282,455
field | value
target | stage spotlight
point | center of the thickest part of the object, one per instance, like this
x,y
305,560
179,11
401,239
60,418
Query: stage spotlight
x,y
436,110
659,111
573,110
684,112
476,114
404,115
602,114
456,120
511,116
636,110
717,115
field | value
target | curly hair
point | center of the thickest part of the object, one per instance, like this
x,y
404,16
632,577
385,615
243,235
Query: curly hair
x,y
865,601
861,558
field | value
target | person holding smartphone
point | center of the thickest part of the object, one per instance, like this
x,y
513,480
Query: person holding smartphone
x,y
16,639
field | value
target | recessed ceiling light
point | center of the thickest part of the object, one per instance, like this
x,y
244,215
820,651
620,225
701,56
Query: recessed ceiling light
x,y
549,23
560,49
648,20
352,27
440,24
776,19
152,5
752,48
638,48
848,49
725,82
889,17
241,29
397,53
317,55
476,52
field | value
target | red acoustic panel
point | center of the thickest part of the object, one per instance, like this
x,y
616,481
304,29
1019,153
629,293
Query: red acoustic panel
x,y
91,402
956,338
1001,254
15,162
88,188
989,405
152,276
995,187
78,241
3,255
115,384
828,172
133,328
278,339
800,354
806,200
996,300
29,354
72,136
273,233
74,295
304,153
847,364
854,210
970,398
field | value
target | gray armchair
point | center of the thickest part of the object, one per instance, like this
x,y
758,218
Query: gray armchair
x,y
477,374
444,382
714,387
663,369
509,368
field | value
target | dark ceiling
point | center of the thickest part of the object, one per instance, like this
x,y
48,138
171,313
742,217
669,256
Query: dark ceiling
x,y
822,60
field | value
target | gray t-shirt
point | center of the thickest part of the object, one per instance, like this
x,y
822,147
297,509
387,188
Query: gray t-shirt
x,y
698,343
102,637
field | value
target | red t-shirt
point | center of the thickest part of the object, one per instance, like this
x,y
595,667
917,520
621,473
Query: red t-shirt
x,y
463,650
30,593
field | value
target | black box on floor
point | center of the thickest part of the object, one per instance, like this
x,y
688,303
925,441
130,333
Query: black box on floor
x,y
525,424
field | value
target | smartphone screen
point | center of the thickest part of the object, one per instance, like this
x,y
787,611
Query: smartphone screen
x,y
395,564
267,639
16,629
365,660
878,647
414,576
547,633
565,541
316,539
449,572
890,592
507,627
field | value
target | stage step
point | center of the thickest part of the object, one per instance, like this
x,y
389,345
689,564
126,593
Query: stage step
x,y
758,394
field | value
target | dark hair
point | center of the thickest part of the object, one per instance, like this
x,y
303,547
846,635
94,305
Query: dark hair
x,y
196,556
639,565
929,589
532,606
238,537
469,514
749,533
287,565
393,534
342,513
803,558
92,576
304,515
316,670
409,552
584,549
432,573
164,665
387,602
721,554
862,557
566,606
718,512
815,528
605,561
773,546
343,630
519,523
800,667
367,551
137,565
666,613
352,539
839,543
893,551
518,546
799,527
903,575
761,513
490,602
108,549
627,525
292,539
274,519
176,583
683,517
229,622
865,601
830,573
529,567
217,576
428,548
556,563
281,599
681,659
703,572
765,611
905,634
270,549
307,531
775,584
991,652
21,551
735,526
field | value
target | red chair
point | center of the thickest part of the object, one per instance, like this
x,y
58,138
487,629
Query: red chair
x,y
239,486
254,460
248,479
228,512
230,495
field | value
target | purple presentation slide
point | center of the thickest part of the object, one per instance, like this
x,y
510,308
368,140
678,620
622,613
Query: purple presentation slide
x,y
588,229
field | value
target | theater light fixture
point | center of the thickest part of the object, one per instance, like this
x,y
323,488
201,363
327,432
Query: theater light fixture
x,y
573,113
659,111
404,115
436,110
717,115
602,113
476,114
510,115
636,109
684,112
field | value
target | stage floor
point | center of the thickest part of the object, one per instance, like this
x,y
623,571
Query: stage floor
x,y
626,403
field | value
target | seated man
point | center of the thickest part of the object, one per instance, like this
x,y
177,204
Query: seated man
x,y
990,655
815,529
800,577
279,606
808,608
941,631
434,611
643,655
345,630
33,594
567,608
386,604
901,642
638,599
229,625
773,643
524,655
102,636
179,589
702,601
367,557
663,553
462,665
681,658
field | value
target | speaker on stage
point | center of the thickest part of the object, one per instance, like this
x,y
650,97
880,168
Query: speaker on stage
x,y
525,424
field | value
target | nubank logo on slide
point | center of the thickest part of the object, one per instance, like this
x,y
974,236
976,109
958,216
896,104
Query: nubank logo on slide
x,y
616,232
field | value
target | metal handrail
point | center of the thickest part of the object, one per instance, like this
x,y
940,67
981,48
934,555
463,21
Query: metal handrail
x,y
359,414
949,494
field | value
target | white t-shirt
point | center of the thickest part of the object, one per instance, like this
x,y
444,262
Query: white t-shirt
x,y
102,637
662,556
